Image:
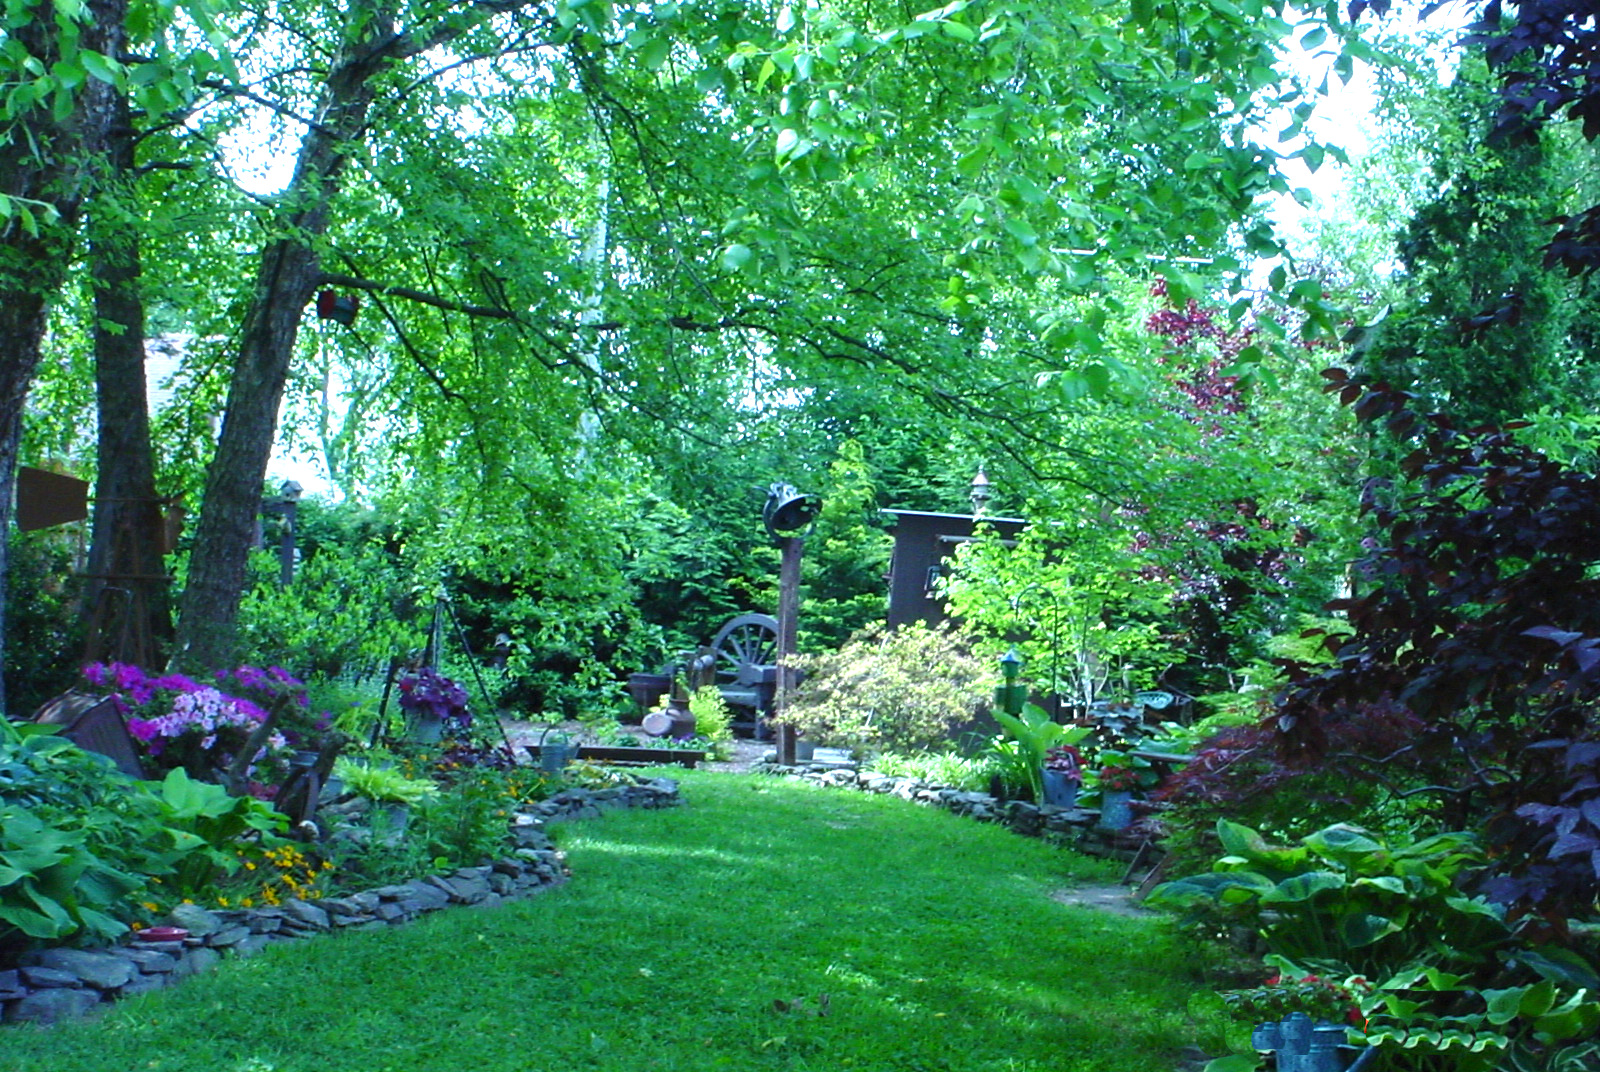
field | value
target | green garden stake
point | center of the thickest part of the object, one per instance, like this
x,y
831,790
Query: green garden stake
x,y
1010,696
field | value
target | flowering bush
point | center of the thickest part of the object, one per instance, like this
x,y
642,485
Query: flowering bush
x,y
428,694
181,723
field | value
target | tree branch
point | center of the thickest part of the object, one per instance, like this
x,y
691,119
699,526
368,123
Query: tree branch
x,y
422,297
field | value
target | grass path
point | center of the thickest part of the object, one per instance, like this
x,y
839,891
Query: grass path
x,y
699,939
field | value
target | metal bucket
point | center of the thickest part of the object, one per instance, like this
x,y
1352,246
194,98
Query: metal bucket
x,y
555,752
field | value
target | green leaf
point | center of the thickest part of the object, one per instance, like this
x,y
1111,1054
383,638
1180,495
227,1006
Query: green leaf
x,y
1341,841
1364,928
737,256
1239,840
1299,888
654,53
1022,231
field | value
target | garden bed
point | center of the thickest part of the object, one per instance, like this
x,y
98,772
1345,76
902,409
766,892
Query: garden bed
x,y
641,756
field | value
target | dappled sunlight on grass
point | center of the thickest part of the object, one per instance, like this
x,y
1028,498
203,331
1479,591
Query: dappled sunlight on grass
x,y
760,926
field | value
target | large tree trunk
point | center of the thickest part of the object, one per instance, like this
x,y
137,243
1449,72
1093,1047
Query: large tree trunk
x,y
289,274
287,278
126,600
46,162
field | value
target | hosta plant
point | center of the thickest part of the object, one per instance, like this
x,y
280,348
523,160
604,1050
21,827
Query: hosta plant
x,y
1346,897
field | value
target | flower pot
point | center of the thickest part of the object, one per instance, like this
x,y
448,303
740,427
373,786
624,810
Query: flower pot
x,y
1060,789
1116,809
424,727
647,690
805,751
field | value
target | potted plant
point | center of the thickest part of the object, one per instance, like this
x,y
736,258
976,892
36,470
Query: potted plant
x,y
1063,774
433,705
387,788
1117,784
1036,734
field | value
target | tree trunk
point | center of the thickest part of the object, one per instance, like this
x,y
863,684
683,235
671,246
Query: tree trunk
x,y
126,601
288,277
46,162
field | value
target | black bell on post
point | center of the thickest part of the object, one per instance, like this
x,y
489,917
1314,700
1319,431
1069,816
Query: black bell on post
x,y
787,511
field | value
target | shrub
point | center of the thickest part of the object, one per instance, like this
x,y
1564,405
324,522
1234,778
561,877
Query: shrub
x,y
901,690
713,718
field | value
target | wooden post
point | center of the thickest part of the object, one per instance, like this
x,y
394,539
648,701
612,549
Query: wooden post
x,y
788,619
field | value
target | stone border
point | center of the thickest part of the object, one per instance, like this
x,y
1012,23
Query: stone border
x,y
58,984
1074,827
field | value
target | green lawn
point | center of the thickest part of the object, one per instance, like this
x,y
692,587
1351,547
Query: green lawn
x,y
685,942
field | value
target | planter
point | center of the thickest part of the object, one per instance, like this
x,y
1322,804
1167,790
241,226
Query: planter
x,y
424,728
805,751
1116,809
647,690
1060,789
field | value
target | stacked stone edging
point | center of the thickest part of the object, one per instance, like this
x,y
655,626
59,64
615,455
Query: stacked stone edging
x,y
57,984
1070,826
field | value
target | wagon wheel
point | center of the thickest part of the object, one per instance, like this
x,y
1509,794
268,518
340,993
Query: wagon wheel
x,y
745,645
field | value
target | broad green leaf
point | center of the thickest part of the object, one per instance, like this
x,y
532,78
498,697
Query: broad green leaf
x,y
654,53
1363,928
1239,840
737,256
1342,842
1299,888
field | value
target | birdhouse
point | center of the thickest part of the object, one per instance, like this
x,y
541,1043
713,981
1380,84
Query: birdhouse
x,y
340,308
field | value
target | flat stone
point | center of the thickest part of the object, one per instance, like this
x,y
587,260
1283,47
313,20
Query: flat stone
x,y
530,837
305,914
103,971
228,936
390,912
197,961
340,906
11,986
48,978
141,984
468,890
250,945
427,895
150,960
198,921
266,921
169,948
52,1006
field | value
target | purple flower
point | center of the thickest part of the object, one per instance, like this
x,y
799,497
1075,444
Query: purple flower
x,y
252,677
96,674
283,676
143,729
128,677
176,683
250,710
